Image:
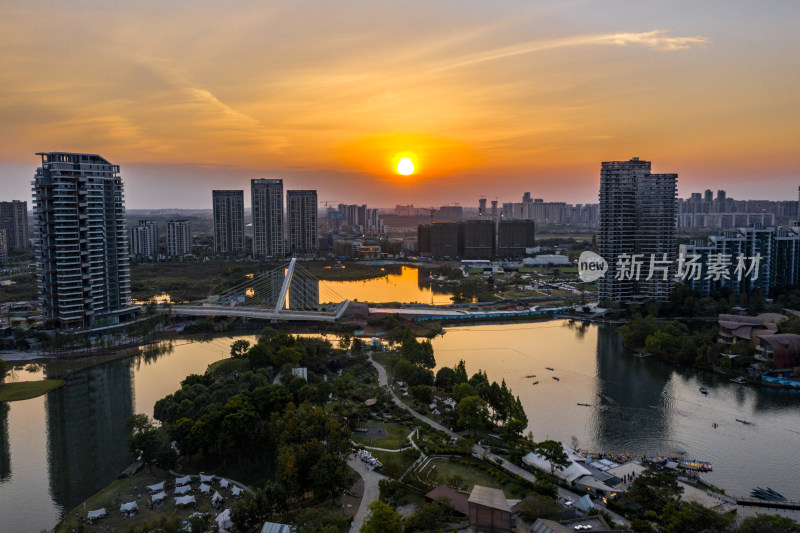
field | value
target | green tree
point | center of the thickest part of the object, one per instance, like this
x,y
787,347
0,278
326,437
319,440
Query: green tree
x,y
329,477
767,523
472,413
445,378
3,370
539,506
654,490
144,439
239,348
319,521
461,372
422,393
382,519
681,517
553,452
344,342
431,517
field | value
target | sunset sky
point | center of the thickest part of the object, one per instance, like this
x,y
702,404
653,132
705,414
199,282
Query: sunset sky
x,y
492,98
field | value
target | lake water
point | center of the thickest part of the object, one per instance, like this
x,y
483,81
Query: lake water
x,y
409,285
57,450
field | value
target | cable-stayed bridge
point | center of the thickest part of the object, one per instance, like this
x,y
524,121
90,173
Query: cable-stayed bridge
x,y
287,293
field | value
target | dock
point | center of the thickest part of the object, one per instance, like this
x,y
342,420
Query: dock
x,y
756,502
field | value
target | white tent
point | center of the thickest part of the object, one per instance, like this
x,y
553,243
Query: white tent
x,y
205,489
217,497
186,489
185,480
128,507
206,479
99,513
224,483
159,496
224,520
236,491
158,487
185,500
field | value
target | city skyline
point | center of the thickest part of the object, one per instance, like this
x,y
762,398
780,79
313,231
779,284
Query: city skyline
x,y
490,101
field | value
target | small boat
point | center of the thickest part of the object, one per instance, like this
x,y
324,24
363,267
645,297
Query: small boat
x,y
642,355
767,494
704,390
741,380
548,368
555,378
535,383
745,422
585,404
531,376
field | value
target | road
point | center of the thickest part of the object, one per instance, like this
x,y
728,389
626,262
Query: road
x,y
506,465
371,490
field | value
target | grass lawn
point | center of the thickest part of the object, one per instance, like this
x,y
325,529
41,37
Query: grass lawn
x,y
129,489
394,440
395,463
446,470
24,390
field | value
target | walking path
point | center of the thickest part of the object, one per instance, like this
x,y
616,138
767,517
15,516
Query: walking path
x,y
383,380
371,490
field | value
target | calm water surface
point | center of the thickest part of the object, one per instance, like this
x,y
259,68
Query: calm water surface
x,y
410,285
57,450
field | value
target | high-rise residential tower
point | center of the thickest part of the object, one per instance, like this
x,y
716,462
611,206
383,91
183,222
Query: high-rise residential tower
x,y
301,209
14,219
268,233
3,247
228,222
179,238
81,241
637,226
144,239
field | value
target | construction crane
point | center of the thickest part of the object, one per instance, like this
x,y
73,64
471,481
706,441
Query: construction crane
x,y
431,210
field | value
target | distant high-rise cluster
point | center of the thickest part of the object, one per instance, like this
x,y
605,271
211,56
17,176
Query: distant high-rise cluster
x,y
542,212
637,222
270,238
81,241
720,212
355,219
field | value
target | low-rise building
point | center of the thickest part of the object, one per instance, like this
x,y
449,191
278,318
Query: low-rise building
x,y
489,511
780,349
735,328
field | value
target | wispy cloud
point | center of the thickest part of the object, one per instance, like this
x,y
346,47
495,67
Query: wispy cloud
x,y
655,39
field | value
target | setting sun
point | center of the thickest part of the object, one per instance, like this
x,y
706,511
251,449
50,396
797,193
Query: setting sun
x,y
405,166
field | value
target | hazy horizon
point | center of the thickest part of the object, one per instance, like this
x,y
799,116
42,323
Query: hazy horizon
x,y
491,99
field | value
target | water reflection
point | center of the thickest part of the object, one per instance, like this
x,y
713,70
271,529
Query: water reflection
x,y
5,444
86,430
632,411
400,284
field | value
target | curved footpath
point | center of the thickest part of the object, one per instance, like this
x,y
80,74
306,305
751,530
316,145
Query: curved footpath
x,y
505,465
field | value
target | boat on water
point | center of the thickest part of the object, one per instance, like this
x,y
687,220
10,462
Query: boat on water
x,y
704,390
535,382
767,494
741,380
745,422
642,355
555,378
585,404
548,368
